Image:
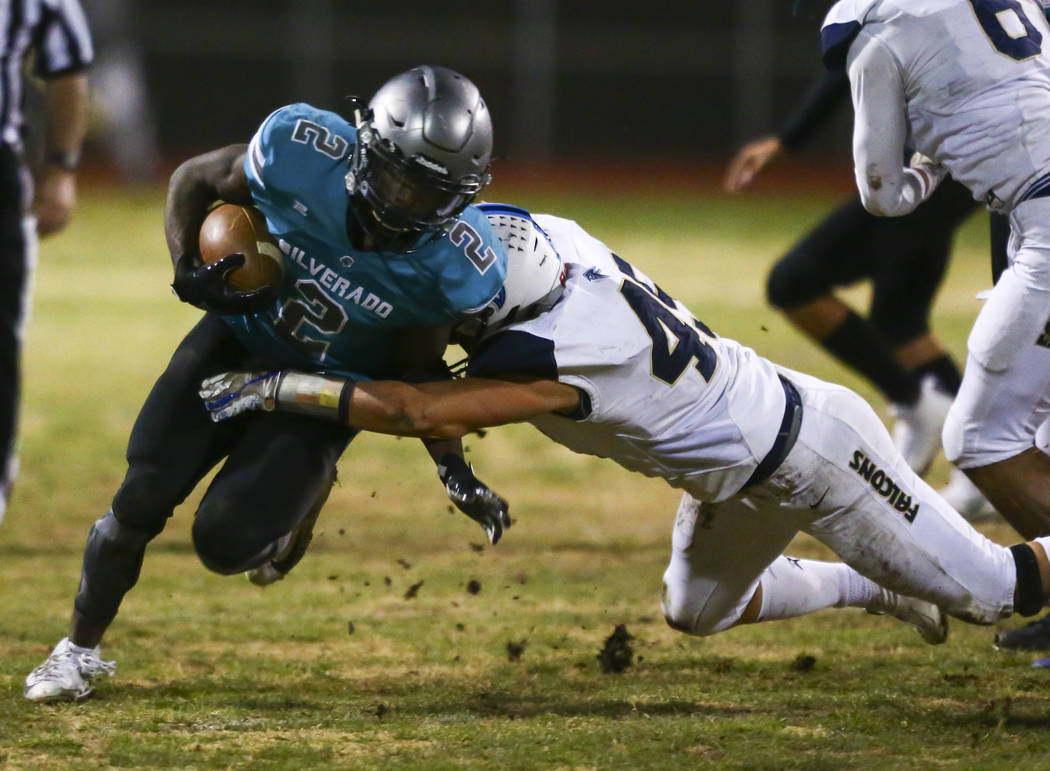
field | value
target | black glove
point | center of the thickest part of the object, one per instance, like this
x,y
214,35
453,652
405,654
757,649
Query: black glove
x,y
473,497
205,287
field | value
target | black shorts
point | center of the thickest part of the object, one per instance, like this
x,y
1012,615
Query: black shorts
x,y
904,257
276,464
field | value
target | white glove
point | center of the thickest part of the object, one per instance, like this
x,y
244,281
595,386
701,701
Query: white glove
x,y
232,393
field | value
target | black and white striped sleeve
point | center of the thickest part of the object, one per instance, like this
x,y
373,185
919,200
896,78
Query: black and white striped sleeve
x,y
64,40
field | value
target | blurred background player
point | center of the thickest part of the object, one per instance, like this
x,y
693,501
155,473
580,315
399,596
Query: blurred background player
x,y
985,120
382,255
905,260
122,116
55,33
761,452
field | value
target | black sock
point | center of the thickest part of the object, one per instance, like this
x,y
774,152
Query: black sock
x,y
944,370
857,344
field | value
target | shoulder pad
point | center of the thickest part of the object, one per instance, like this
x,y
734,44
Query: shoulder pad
x,y
295,141
474,262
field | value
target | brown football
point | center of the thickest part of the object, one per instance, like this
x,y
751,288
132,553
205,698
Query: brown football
x,y
230,228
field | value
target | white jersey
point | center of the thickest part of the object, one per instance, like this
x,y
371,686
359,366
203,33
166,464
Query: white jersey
x,y
964,82
664,396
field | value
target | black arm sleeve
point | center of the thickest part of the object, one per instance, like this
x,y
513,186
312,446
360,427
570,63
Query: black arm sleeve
x,y
825,94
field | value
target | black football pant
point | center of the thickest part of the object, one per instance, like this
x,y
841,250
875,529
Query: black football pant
x,y
277,466
905,257
14,268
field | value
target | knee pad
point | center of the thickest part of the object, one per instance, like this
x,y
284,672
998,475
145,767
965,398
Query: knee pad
x,y
985,425
692,615
112,562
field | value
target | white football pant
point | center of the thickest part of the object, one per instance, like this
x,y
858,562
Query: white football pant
x,y
845,484
1005,392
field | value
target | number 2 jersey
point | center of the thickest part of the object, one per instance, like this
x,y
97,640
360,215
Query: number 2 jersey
x,y
964,82
339,308
663,395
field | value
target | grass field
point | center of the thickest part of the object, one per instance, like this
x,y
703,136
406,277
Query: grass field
x,y
375,654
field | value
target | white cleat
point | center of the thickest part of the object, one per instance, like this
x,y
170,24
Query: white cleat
x,y
917,427
966,499
929,620
66,672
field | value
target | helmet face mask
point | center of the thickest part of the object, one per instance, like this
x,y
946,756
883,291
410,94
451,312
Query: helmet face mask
x,y
421,156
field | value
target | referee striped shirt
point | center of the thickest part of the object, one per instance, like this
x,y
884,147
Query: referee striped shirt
x,y
57,30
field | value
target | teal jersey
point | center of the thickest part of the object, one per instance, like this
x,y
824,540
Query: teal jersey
x,y
339,308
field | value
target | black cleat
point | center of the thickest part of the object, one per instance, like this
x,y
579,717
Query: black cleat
x,y
1033,636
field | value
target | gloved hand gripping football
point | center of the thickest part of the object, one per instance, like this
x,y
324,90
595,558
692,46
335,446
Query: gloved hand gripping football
x,y
205,287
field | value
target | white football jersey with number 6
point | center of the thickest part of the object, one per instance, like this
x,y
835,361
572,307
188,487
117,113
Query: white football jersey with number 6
x,y
972,77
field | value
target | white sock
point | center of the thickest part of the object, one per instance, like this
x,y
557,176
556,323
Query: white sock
x,y
793,587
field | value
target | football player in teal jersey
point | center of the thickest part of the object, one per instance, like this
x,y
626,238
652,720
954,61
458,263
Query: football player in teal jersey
x,y
382,254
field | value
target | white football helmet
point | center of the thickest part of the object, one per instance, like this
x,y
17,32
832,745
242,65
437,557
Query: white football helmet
x,y
535,273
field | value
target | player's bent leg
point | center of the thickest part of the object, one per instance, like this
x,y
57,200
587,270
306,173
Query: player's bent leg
x,y
991,428
869,507
289,549
718,553
272,483
172,445
705,593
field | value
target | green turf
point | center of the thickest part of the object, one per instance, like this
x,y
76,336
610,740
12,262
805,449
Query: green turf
x,y
336,668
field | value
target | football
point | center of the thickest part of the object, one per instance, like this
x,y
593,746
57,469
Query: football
x,y
230,228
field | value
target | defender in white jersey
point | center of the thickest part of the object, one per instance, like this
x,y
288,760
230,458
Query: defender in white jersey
x,y
602,360
966,84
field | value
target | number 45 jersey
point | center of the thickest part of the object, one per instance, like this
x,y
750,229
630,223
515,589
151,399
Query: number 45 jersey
x,y
339,308
663,395
973,76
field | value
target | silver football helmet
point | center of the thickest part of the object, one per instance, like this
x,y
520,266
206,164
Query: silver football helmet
x,y
422,155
